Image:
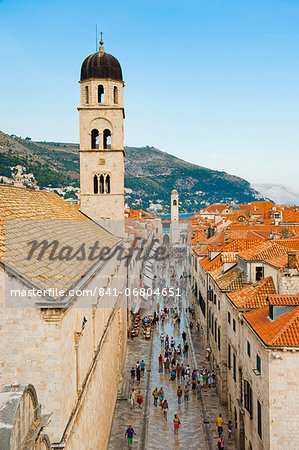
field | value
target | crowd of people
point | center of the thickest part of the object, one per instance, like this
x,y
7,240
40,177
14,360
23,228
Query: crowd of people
x,y
174,365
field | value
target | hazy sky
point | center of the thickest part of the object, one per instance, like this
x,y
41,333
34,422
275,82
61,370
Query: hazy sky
x,y
215,82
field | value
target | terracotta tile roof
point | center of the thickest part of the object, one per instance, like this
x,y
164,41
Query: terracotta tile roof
x,y
242,244
283,299
282,332
28,215
281,261
230,280
290,217
253,296
209,265
261,207
266,250
216,208
293,244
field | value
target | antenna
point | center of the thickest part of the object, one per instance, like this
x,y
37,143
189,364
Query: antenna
x,y
96,37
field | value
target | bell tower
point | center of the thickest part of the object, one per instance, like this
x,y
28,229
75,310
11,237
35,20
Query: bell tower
x,y
101,115
174,225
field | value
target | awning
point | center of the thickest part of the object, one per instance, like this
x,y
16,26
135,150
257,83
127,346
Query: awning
x,y
148,273
148,282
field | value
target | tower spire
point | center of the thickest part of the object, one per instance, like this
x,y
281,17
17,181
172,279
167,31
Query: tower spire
x,y
101,49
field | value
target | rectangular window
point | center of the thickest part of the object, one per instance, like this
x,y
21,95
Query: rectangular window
x,y
215,299
234,367
259,273
248,397
219,339
209,318
218,304
259,419
234,325
228,317
229,356
212,323
215,335
258,363
248,349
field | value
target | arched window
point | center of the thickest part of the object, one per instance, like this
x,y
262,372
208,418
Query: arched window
x,y
102,184
107,139
86,94
107,184
95,185
94,139
115,94
174,202
100,93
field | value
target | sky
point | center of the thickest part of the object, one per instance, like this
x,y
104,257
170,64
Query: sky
x,y
213,82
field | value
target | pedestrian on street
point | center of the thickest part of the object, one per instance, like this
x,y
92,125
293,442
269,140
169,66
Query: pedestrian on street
x,y
129,434
160,359
186,394
167,365
178,371
208,352
219,421
176,424
172,375
220,442
142,365
184,335
161,396
229,430
186,349
162,339
133,398
155,395
182,371
165,409
138,373
179,393
132,375
139,399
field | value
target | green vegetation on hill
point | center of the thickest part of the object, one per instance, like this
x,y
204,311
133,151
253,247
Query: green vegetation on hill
x,y
149,172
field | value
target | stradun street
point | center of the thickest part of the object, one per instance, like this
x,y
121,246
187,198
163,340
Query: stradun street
x,y
198,408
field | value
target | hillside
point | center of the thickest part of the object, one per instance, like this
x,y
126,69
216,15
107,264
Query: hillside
x,y
150,173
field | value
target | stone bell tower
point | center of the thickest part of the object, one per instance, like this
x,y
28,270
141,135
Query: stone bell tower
x,y
174,225
101,115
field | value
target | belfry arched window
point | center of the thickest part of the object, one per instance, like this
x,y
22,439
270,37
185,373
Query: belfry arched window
x,y
101,183
174,202
94,139
107,184
115,94
95,185
86,94
100,93
107,139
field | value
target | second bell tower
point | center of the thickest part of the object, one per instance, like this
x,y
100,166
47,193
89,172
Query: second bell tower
x,y
101,115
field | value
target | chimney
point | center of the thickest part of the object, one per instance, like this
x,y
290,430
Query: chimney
x,y
291,259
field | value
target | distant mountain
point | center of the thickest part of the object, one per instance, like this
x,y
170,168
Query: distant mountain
x,y
279,193
150,174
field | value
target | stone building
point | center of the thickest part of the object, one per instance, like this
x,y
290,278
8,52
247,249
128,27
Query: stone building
x,y
21,422
63,276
